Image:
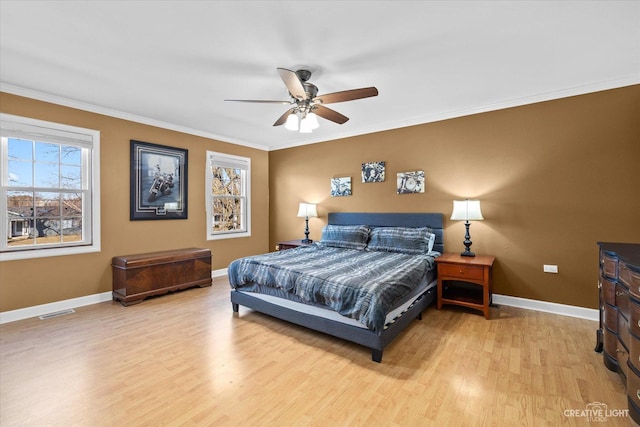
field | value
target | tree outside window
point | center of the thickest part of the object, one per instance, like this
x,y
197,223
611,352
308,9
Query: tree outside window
x,y
228,213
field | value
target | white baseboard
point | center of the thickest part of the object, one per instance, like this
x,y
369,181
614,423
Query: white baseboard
x,y
529,304
547,307
219,273
39,310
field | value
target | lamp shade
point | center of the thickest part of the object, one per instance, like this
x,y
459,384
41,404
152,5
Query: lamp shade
x,y
306,124
292,122
466,210
313,120
307,210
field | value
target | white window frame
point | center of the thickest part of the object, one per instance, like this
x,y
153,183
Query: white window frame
x,y
28,128
228,160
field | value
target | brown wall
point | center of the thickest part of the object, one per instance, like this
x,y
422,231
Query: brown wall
x,y
27,283
553,178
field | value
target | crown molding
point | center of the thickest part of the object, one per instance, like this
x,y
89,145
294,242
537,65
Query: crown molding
x,y
72,103
629,80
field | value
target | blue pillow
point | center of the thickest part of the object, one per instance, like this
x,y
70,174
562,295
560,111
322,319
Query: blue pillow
x,y
345,236
404,240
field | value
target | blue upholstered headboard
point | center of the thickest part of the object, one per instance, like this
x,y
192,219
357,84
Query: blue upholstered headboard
x,y
435,221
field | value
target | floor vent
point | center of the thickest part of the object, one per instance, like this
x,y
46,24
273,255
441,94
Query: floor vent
x,y
56,314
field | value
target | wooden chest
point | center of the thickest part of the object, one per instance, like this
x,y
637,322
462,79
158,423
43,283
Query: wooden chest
x,y
138,276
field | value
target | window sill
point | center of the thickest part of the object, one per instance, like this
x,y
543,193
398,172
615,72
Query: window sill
x,y
45,253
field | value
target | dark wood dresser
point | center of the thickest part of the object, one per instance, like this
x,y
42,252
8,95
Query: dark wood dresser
x,y
136,277
618,337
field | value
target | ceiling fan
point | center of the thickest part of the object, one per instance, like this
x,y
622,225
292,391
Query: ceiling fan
x,y
307,103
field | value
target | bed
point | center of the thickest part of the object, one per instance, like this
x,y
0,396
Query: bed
x,y
386,287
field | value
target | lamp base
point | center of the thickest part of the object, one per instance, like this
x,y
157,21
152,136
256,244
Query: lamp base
x,y
306,232
467,241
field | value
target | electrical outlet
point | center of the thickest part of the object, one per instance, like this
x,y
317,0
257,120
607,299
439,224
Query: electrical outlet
x,y
550,268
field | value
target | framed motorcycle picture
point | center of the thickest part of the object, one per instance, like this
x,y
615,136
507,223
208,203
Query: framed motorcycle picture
x,y
158,182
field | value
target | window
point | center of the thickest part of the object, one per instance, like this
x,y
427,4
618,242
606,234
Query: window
x,y
228,196
50,192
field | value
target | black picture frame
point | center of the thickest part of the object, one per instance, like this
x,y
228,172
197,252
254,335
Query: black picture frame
x,y
158,182
373,172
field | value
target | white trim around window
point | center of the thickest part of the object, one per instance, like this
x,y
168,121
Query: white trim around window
x,y
87,141
228,186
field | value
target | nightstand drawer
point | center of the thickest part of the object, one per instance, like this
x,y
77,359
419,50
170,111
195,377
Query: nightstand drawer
x,y
291,244
284,246
461,271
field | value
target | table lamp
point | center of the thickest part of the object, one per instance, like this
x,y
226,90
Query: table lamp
x,y
466,210
306,210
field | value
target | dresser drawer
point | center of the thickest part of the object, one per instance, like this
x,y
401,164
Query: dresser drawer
x,y
622,299
623,329
633,386
461,271
634,351
608,290
634,317
610,342
610,265
622,357
631,277
610,317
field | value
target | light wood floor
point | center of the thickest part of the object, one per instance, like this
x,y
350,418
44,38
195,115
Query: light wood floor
x,y
186,359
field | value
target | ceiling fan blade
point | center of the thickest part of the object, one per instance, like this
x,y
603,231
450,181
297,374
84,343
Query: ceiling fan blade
x,y
329,114
293,83
346,95
265,101
283,118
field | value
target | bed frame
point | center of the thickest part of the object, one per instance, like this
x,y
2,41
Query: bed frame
x,y
376,341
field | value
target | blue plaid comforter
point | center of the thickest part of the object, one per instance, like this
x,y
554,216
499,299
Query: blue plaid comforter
x,y
363,285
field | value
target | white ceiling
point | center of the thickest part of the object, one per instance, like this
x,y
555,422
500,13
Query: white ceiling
x,y
172,63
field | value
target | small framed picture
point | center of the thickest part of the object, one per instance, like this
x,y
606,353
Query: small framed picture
x,y
373,172
410,182
341,187
158,182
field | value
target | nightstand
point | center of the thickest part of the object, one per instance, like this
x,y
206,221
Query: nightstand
x,y
290,244
465,281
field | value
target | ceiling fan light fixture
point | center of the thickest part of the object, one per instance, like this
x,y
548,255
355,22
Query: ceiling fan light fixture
x,y
306,124
292,122
305,101
313,121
